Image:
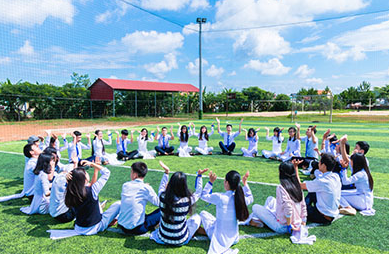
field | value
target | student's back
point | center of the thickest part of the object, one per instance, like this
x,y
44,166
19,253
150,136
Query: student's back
x,y
57,196
88,212
134,197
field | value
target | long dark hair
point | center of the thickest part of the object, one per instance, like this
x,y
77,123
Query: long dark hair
x,y
289,181
176,189
251,130
184,136
241,211
205,133
75,189
43,163
278,130
147,133
53,151
359,163
295,133
102,143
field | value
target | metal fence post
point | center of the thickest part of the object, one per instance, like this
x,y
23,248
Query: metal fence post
x,y
136,104
91,109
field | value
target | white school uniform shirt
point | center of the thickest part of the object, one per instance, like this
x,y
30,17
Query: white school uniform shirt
x,y
361,181
57,197
253,142
40,202
293,147
29,177
98,146
226,230
135,195
73,150
203,143
183,143
162,139
122,145
328,190
142,143
229,137
309,146
276,145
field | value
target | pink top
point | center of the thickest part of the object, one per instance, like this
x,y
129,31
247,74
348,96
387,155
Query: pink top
x,y
286,207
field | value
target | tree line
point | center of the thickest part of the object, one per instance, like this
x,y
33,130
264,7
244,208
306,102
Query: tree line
x,y
24,100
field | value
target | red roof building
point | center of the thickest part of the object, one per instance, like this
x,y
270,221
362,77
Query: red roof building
x,y
103,88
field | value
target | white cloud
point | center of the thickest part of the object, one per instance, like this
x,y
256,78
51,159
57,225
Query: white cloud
x,y
171,5
5,60
113,77
152,42
107,16
232,14
160,69
310,39
261,43
193,67
131,76
272,67
232,73
26,49
313,81
332,51
35,12
303,71
199,4
213,71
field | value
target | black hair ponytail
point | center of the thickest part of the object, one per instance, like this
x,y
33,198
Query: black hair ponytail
x,y
289,181
233,179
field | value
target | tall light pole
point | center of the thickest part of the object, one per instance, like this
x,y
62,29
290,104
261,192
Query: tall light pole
x,y
200,21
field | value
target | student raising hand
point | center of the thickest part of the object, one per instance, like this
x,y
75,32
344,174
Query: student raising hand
x,y
166,168
202,171
245,177
212,177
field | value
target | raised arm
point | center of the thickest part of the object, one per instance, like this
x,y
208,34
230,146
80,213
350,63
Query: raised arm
x,y
314,138
218,124
117,137
245,134
89,141
207,194
198,185
343,141
298,130
132,136
248,196
323,142
295,164
240,125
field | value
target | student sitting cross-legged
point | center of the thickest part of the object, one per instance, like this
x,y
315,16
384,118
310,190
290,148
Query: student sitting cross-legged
x,y
360,198
288,211
176,203
231,207
228,144
135,195
163,147
122,143
83,196
324,191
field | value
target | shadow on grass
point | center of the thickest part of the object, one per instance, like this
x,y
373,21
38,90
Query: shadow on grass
x,y
6,183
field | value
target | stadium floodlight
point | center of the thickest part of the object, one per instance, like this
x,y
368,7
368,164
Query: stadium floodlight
x,y
200,21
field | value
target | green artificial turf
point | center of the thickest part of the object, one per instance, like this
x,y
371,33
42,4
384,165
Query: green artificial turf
x,y
20,233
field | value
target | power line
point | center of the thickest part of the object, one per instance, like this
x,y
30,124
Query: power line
x,y
298,23
157,15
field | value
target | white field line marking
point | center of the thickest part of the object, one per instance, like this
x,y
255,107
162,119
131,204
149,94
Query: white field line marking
x,y
159,170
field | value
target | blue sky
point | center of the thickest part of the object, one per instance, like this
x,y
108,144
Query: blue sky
x,y
46,40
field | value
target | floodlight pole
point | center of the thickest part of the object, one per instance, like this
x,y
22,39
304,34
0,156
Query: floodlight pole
x,y
200,21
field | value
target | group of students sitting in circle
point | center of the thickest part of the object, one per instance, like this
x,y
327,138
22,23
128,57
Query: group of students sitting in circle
x,y
67,192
